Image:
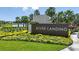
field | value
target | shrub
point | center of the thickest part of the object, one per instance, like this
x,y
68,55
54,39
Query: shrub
x,y
69,32
38,38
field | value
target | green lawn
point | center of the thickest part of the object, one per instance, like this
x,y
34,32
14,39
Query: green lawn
x,y
28,46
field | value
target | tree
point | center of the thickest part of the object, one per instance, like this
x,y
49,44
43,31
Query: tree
x,y
69,16
51,13
60,17
53,19
36,12
76,20
31,17
18,20
25,20
2,22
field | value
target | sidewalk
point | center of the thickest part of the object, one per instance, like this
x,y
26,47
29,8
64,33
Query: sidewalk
x,y
75,45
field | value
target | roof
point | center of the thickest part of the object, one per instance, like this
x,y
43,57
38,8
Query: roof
x,y
41,19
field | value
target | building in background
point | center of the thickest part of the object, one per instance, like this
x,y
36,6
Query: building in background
x,y
41,19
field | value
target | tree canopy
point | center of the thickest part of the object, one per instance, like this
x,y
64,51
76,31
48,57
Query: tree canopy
x,y
36,12
50,11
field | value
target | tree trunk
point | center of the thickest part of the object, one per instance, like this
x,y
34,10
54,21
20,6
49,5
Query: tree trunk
x,y
23,24
18,24
27,26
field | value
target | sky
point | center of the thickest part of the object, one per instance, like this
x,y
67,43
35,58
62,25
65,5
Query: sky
x,y
9,13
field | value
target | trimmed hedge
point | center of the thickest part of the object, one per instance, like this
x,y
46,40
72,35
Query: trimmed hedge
x,y
12,29
39,38
3,34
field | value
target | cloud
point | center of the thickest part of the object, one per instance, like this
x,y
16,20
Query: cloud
x,y
29,10
26,8
34,8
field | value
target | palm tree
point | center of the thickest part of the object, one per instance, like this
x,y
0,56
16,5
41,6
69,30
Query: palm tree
x,y
18,20
51,13
36,12
60,17
76,20
69,16
54,18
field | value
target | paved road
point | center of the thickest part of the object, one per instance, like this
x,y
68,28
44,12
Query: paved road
x,y
75,45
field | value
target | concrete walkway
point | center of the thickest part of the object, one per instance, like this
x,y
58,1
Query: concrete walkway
x,y
75,45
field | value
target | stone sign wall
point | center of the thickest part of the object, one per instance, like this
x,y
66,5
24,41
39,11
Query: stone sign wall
x,y
50,29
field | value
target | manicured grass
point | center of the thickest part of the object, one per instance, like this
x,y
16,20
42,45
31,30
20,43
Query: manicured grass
x,y
28,46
